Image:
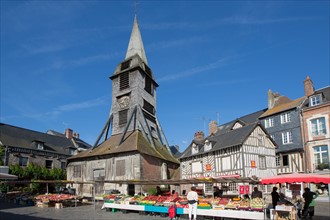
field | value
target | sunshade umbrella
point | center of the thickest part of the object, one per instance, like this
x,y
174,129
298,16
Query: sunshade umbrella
x,y
297,178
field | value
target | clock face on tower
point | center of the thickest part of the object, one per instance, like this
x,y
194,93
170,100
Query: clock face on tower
x,y
123,101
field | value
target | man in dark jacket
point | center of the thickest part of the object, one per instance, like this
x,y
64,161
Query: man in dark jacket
x,y
308,195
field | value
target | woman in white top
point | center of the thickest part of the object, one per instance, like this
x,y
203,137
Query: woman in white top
x,y
192,198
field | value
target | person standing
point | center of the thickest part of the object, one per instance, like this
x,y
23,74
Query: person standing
x,y
308,195
275,197
256,193
192,198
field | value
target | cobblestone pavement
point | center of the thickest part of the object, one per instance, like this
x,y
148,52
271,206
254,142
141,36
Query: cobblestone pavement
x,y
10,211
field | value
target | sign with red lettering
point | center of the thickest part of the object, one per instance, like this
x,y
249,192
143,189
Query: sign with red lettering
x,y
241,189
247,189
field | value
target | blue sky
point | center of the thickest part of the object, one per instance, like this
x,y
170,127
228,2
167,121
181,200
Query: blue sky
x,y
213,60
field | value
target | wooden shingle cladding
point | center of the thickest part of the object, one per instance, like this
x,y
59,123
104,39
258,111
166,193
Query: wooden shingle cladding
x,y
134,159
232,153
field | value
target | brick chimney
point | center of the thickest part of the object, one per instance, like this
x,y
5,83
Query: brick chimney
x,y
76,135
199,135
272,98
68,133
308,86
213,127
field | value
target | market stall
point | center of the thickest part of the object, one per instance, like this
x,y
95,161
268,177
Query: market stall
x,y
209,206
283,211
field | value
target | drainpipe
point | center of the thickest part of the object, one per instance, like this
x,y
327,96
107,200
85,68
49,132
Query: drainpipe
x,y
303,140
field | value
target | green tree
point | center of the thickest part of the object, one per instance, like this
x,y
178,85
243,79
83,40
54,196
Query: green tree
x,y
2,153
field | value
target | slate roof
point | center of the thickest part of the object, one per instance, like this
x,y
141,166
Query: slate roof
x,y
222,140
283,106
81,144
325,93
134,141
247,119
24,138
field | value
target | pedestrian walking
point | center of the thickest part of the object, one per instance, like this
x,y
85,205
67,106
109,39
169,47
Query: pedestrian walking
x,y
192,198
309,205
275,197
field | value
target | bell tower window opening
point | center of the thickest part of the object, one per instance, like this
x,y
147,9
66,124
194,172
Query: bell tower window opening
x,y
124,81
148,107
149,86
125,65
123,117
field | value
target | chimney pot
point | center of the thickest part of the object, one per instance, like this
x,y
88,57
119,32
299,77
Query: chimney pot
x,y
68,133
308,86
213,127
199,135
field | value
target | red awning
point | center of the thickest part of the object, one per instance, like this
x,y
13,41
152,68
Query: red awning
x,y
297,178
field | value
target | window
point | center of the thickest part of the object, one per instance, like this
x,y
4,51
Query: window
x,y
77,171
286,137
285,118
124,81
196,167
272,137
123,117
260,140
278,161
315,100
321,157
318,126
49,164
269,122
125,65
194,149
40,146
71,151
63,167
120,167
23,161
148,85
207,145
262,162
148,107
285,160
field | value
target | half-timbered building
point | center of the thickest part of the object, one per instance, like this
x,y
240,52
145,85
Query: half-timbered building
x,y
241,148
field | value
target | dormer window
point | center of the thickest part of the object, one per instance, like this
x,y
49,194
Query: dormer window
x,y
194,149
207,145
315,100
72,151
237,125
40,146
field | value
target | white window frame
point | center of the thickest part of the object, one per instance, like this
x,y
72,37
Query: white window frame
x,y
262,162
315,100
318,126
194,148
285,118
269,122
278,161
207,145
287,137
197,167
318,151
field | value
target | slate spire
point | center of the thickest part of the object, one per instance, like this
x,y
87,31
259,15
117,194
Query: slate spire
x,y
135,45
